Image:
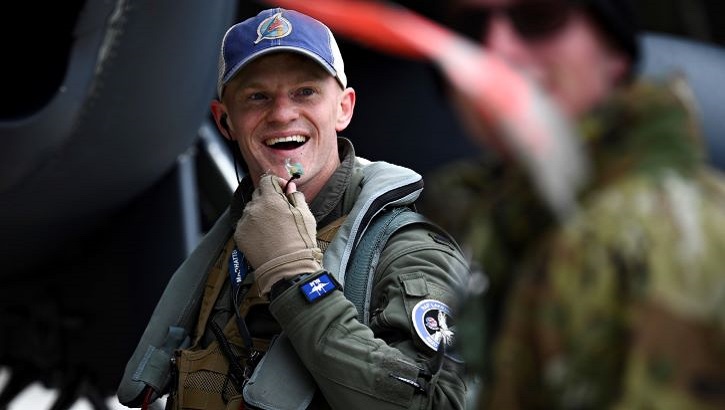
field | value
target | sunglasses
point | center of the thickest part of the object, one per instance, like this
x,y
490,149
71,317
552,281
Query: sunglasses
x,y
532,20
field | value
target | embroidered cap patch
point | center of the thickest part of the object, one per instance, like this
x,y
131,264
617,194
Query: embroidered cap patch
x,y
318,286
433,323
273,27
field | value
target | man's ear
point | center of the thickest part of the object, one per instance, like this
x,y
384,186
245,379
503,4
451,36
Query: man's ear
x,y
221,118
346,108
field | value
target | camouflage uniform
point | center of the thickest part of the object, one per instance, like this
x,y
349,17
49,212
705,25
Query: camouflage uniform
x,y
623,304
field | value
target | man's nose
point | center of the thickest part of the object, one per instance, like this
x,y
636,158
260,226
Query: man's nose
x,y
503,40
283,110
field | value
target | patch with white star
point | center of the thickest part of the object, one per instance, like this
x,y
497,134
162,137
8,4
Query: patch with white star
x,y
433,323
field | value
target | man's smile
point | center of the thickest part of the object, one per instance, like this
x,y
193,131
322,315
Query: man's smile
x,y
287,143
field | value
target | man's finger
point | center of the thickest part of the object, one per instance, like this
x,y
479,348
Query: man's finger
x,y
297,198
291,187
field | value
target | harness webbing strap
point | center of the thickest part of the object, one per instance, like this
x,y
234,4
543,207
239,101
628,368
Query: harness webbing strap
x,y
360,273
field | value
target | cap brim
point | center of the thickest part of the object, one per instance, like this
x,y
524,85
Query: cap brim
x,y
319,60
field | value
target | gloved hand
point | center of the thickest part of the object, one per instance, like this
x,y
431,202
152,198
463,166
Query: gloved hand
x,y
277,234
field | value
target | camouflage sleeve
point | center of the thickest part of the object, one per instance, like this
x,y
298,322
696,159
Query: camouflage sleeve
x,y
626,309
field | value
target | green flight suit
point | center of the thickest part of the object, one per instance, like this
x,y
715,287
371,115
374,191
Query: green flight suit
x,y
386,365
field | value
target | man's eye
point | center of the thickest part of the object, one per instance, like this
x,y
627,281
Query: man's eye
x,y
257,97
305,92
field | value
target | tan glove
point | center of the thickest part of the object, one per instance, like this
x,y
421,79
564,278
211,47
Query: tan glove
x,y
277,234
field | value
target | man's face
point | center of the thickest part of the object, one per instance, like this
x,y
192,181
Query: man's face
x,y
555,43
285,106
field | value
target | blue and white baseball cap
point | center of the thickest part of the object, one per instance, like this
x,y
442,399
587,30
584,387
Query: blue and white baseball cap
x,y
276,30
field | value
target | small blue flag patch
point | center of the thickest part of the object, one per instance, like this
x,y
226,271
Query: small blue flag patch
x,y
318,286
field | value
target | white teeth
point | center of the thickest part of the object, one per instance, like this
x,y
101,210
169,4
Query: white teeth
x,y
289,138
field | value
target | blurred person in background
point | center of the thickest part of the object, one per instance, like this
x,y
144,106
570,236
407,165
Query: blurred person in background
x,y
621,304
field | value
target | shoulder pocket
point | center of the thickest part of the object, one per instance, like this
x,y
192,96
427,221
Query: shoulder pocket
x,y
414,284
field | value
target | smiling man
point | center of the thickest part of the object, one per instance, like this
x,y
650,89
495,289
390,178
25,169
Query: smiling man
x,y
283,98
286,105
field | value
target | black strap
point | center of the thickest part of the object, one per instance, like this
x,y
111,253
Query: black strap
x,y
236,372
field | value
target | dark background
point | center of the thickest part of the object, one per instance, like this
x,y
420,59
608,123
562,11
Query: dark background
x,y
75,302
